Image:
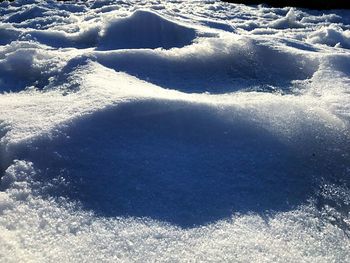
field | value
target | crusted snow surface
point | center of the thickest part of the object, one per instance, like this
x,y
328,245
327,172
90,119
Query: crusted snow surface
x,y
173,131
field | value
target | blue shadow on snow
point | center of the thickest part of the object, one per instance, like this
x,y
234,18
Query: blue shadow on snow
x,y
188,165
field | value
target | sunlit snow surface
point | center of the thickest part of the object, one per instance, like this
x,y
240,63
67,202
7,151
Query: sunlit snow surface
x,y
179,131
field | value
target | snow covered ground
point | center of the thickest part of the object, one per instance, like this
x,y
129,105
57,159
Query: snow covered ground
x,y
177,131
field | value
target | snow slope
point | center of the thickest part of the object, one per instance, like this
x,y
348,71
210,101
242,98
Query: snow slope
x,y
142,131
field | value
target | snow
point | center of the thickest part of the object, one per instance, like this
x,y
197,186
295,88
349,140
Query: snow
x,y
332,35
150,131
144,29
289,21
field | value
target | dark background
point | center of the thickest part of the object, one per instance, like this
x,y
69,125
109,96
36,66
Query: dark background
x,y
312,4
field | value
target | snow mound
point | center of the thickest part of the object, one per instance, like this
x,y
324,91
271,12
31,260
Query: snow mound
x,y
28,13
331,36
24,64
289,21
8,34
87,38
163,160
145,29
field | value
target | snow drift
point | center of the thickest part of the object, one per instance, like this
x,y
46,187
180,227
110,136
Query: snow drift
x,y
173,131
